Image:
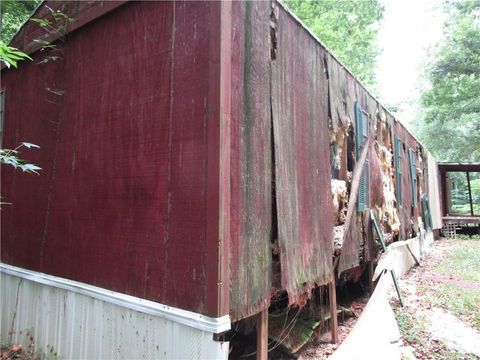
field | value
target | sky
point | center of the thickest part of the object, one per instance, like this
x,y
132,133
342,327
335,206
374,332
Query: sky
x,y
409,29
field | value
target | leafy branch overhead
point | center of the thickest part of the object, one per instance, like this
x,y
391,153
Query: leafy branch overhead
x,y
10,56
14,13
10,157
348,28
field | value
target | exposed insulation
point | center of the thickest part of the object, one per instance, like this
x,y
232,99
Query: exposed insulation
x,y
338,239
340,201
388,213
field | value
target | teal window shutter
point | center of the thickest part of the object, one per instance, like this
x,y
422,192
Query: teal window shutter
x,y
361,136
413,176
363,189
397,149
358,129
427,216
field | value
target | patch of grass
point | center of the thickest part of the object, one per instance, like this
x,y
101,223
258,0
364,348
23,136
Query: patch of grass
x,y
462,263
413,330
449,354
463,303
410,326
468,237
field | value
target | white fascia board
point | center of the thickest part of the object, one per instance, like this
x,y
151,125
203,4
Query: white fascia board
x,y
185,317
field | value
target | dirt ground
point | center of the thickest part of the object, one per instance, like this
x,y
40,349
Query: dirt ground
x,y
440,318
319,349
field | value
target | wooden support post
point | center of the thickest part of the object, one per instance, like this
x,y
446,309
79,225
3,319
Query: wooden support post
x,y
370,276
332,299
262,335
469,193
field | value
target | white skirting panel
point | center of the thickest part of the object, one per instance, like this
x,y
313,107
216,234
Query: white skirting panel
x,y
81,323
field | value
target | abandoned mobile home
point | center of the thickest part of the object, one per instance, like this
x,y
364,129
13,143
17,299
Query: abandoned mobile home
x,y
202,163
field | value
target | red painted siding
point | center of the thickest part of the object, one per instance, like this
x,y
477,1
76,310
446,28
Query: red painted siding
x,y
159,159
251,161
300,123
116,205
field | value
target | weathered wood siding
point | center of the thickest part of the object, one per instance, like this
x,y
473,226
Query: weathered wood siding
x,y
251,161
357,245
303,193
407,212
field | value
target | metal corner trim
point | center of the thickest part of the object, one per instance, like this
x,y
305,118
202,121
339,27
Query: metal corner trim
x,y
181,316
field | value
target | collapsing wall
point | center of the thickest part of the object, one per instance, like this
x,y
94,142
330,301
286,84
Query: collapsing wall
x,y
284,224
393,179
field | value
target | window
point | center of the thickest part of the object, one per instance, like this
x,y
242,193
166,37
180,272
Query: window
x,y
463,193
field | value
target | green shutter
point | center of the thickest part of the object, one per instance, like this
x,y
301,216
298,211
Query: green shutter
x,y
361,136
427,215
397,148
413,176
358,129
363,189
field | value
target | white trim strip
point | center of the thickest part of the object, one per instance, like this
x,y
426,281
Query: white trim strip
x,y
185,317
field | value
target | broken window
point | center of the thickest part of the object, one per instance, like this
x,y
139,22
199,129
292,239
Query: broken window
x,y
463,193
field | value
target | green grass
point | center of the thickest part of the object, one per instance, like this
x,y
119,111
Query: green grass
x,y
411,326
463,262
463,300
463,303
413,330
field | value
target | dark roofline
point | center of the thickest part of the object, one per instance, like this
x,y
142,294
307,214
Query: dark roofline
x,y
12,40
107,6
100,9
456,166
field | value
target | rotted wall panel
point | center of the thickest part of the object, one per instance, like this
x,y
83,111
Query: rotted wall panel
x,y
357,244
251,161
300,124
407,213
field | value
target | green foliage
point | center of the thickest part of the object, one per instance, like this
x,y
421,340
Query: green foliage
x,y
450,125
348,28
410,325
10,56
10,157
14,14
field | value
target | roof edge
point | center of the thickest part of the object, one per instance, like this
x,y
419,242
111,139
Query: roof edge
x,y
330,52
29,46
